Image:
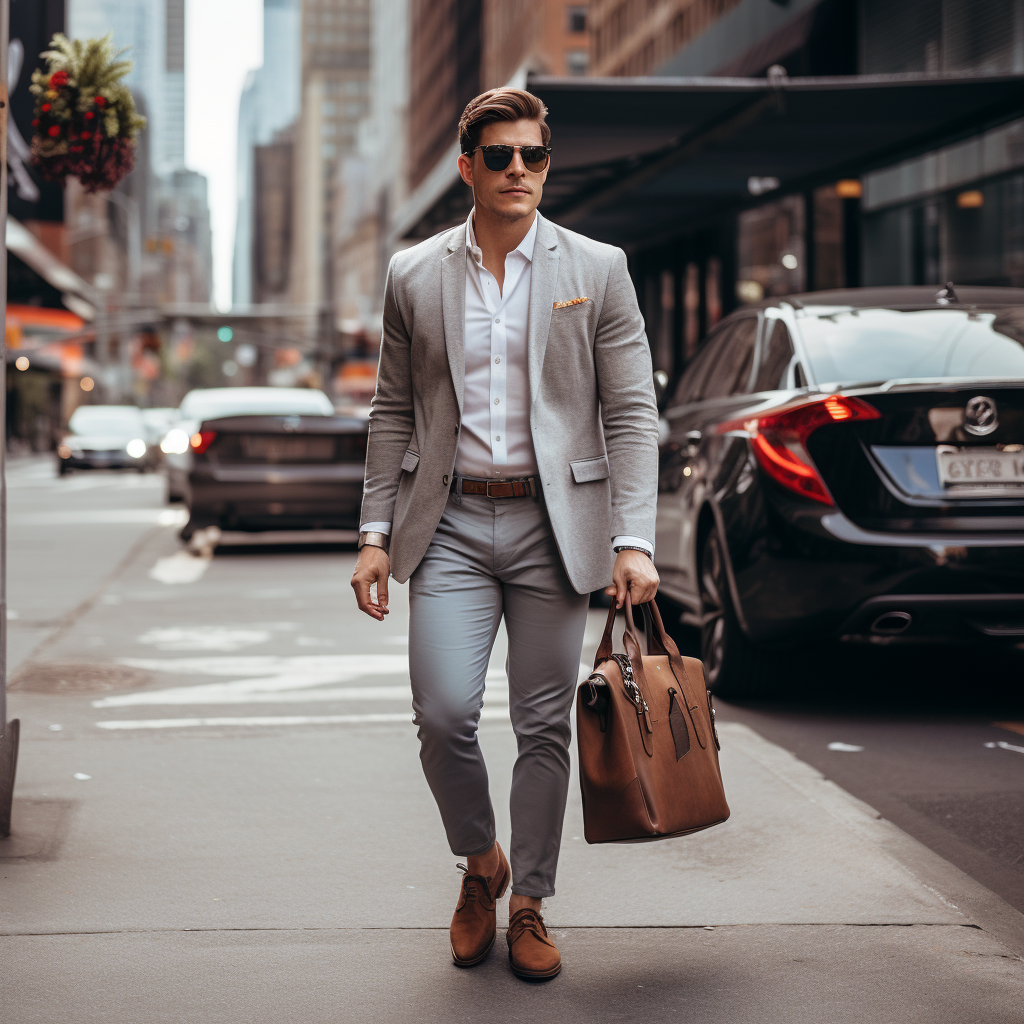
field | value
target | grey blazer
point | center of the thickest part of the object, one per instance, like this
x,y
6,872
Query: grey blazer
x,y
592,406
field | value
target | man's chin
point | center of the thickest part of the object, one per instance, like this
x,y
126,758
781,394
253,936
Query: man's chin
x,y
515,207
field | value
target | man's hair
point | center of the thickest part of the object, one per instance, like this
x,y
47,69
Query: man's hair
x,y
500,105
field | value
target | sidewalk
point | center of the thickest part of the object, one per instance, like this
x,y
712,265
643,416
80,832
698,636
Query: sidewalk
x,y
299,873
261,902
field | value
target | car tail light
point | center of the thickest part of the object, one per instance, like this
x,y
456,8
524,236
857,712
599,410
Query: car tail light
x,y
779,440
201,440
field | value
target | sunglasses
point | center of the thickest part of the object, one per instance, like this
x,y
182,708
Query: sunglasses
x,y
497,158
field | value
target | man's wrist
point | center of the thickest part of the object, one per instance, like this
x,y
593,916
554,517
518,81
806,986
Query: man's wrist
x,y
373,539
633,547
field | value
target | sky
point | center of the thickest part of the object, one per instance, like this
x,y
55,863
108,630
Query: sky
x,y
223,41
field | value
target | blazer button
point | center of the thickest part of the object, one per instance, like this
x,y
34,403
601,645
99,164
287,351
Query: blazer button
x,y
445,480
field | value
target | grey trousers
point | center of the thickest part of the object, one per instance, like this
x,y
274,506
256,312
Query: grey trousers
x,y
489,558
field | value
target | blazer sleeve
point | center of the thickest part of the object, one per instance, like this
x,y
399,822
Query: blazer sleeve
x,y
629,409
391,413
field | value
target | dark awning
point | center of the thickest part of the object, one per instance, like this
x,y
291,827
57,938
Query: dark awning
x,y
636,160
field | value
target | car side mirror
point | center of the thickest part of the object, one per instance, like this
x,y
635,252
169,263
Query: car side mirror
x,y
660,384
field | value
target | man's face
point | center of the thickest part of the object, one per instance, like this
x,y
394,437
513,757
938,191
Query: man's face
x,y
514,192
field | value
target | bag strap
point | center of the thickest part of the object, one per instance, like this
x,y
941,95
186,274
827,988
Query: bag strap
x,y
658,641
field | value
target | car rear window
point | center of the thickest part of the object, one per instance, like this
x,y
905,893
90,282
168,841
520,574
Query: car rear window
x,y
211,403
105,420
851,346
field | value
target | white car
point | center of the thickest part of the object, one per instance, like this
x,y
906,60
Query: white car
x,y
105,437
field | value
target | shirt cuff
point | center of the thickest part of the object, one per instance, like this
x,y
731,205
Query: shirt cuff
x,y
375,528
634,542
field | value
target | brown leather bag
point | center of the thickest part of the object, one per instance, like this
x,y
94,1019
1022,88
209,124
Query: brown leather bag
x,y
648,747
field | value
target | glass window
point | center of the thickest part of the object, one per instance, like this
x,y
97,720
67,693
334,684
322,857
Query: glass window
x,y
691,386
577,62
734,358
577,18
776,355
860,346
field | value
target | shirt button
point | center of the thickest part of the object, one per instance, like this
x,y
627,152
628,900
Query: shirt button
x,y
497,437
497,319
497,400
497,359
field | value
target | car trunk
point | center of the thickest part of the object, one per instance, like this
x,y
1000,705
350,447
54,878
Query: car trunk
x,y
939,458
284,440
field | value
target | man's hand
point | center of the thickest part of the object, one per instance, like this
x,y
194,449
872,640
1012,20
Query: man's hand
x,y
372,567
634,571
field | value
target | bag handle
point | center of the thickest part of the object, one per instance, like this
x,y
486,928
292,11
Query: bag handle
x,y
658,641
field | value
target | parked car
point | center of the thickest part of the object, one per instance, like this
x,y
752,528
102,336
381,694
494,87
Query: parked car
x,y
105,437
258,459
846,466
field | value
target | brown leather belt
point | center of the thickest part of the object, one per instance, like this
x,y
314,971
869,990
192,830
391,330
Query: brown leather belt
x,y
519,487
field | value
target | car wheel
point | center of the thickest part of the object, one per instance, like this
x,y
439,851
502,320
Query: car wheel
x,y
733,666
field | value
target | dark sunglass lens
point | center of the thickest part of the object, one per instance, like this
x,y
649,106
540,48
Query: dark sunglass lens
x,y
497,158
534,157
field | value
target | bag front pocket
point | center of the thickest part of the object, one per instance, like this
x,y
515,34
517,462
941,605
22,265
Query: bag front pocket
x,y
677,722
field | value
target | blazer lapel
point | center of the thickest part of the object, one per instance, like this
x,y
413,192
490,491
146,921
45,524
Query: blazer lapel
x,y
453,307
543,277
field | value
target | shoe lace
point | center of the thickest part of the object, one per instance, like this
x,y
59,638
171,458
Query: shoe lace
x,y
527,921
474,887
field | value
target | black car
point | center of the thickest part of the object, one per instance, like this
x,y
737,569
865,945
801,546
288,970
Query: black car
x,y
259,459
849,466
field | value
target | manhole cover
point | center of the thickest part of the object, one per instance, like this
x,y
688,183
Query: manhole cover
x,y
53,677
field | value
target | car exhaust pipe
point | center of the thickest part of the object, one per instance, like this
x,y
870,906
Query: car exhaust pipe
x,y
892,623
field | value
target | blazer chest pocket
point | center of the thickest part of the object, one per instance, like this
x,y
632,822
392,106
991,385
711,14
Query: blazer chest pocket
x,y
410,460
585,471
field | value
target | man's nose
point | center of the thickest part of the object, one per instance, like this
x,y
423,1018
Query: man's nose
x,y
517,169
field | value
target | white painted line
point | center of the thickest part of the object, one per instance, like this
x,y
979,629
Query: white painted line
x,y
1003,745
103,517
181,567
193,723
215,695
845,748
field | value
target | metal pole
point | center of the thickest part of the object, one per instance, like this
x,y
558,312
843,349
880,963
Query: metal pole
x,y
9,731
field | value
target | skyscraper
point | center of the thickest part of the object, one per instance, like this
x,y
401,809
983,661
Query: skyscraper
x,y
270,101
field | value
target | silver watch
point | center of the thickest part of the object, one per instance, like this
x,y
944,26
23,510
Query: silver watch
x,y
374,540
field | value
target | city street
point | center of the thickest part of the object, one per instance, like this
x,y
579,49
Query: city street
x,y
220,815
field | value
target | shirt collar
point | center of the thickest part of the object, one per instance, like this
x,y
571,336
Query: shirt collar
x,y
525,247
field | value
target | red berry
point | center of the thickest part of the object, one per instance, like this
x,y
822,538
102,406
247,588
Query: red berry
x,y
99,101
86,135
53,131
58,78
35,122
89,115
45,107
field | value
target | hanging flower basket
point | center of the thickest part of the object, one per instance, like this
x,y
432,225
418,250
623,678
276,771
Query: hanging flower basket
x,y
85,124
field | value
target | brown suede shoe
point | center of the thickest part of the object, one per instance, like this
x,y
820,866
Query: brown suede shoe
x,y
530,952
473,923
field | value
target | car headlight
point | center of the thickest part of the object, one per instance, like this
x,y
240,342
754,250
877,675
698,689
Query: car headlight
x,y
136,447
175,442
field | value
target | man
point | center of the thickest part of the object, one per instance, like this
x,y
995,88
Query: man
x,y
513,446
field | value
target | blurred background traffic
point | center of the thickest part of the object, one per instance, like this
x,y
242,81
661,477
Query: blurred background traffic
x,y
216,316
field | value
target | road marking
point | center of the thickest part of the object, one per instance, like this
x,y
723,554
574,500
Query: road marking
x,y
103,517
212,638
181,567
497,714
1003,745
845,748
215,695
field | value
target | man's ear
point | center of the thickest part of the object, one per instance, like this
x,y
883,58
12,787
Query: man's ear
x,y
466,169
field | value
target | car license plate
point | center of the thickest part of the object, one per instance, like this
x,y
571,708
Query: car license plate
x,y
267,448
981,468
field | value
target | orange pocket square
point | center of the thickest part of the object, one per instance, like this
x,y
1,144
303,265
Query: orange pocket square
x,y
569,302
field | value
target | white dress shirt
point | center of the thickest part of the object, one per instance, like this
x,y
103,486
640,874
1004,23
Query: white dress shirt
x,y
495,440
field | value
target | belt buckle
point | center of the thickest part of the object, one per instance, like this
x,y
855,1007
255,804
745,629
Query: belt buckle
x,y
487,488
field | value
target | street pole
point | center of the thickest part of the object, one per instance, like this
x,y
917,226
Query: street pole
x,y
9,731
